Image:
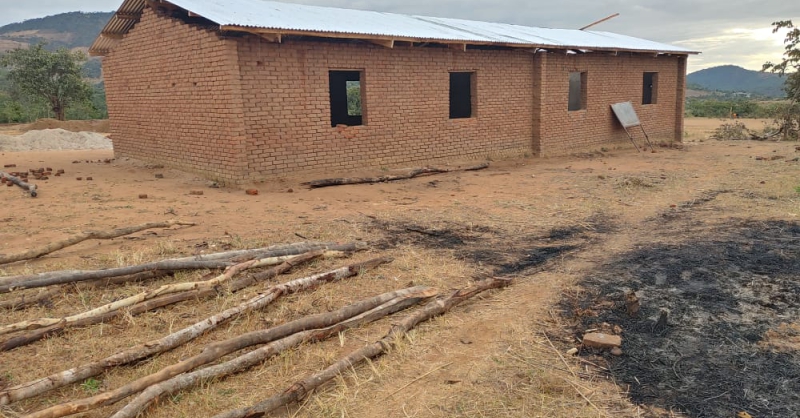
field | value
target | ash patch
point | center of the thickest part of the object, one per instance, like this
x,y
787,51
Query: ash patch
x,y
494,251
722,292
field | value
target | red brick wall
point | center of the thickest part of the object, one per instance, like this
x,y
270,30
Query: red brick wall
x,y
406,103
244,109
173,97
610,79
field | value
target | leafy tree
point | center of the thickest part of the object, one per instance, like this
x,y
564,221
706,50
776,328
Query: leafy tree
x,y
790,63
52,76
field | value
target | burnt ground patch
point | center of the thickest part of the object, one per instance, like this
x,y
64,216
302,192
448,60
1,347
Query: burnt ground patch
x,y
723,291
493,250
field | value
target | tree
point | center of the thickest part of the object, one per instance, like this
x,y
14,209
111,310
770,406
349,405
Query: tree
x,y
52,76
790,63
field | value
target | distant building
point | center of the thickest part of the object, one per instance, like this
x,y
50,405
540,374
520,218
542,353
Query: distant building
x,y
244,90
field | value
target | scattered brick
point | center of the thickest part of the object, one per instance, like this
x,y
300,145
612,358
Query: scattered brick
x,y
142,196
251,192
196,192
600,340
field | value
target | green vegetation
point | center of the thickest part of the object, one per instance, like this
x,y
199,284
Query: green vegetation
x,y
714,107
354,98
36,79
91,385
789,120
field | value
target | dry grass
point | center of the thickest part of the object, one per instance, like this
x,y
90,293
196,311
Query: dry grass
x,y
491,357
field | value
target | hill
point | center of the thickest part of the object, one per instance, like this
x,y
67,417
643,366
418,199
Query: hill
x,y
732,78
70,30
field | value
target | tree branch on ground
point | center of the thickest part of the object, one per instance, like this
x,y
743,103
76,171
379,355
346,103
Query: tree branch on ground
x,y
298,331
83,236
302,388
133,354
382,179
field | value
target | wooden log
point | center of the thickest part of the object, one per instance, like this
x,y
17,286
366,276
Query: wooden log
x,y
136,353
152,304
10,283
303,387
382,179
83,236
31,188
219,349
196,287
74,276
403,300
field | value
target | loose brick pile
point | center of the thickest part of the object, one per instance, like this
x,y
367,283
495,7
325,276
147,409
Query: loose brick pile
x,y
242,109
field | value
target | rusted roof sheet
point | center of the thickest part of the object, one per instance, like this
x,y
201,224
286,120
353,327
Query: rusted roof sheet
x,y
289,18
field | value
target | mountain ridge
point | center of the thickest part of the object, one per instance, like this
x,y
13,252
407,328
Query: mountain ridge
x,y
69,30
732,78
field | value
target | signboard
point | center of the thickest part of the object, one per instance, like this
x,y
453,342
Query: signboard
x,y
625,114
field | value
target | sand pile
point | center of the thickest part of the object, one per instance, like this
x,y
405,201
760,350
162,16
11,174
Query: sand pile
x,y
54,139
100,125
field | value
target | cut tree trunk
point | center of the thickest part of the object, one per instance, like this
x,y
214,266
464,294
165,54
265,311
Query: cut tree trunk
x,y
36,387
74,276
152,304
114,233
29,187
410,298
382,179
219,260
302,388
196,287
219,349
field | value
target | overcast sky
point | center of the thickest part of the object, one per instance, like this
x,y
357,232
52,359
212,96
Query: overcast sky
x,y
727,32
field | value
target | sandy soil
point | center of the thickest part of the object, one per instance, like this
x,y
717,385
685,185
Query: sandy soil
x,y
549,223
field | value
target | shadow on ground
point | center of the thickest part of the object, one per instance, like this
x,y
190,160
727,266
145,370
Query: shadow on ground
x,y
724,292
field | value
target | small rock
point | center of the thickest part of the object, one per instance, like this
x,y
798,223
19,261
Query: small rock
x,y
465,340
600,340
142,196
632,303
572,351
616,351
290,191
251,192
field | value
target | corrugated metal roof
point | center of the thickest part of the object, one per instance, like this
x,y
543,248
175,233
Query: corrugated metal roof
x,y
289,18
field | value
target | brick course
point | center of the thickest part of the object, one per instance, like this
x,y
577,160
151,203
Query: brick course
x,y
243,109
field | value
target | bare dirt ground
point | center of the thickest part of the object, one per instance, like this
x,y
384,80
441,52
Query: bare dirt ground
x,y
706,232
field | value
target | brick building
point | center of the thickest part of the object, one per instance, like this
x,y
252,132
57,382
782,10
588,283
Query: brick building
x,y
244,90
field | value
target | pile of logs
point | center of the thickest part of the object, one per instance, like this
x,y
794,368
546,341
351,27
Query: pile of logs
x,y
242,269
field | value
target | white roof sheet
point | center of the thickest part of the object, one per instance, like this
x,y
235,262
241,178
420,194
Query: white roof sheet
x,y
328,21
